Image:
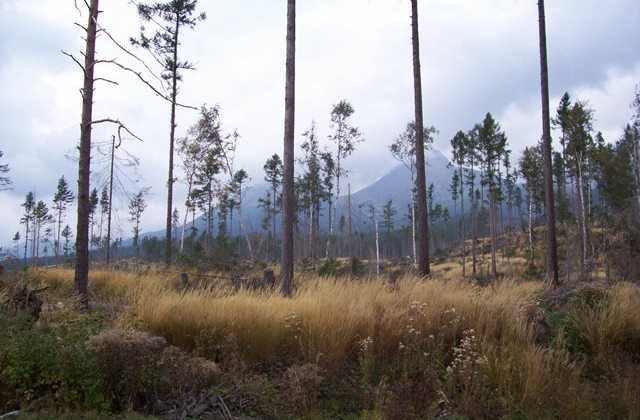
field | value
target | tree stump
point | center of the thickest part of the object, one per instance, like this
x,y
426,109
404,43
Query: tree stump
x,y
268,279
184,280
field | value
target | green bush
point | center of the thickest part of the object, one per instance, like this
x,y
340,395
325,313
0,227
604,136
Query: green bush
x,y
50,365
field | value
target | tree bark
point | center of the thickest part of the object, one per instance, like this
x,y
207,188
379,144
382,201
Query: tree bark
x,y
288,205
493,228
552,247
462,236
421,183
172,134
81,278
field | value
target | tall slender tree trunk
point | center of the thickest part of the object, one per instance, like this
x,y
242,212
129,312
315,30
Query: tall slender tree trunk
x,y
421,184
375,224
288,205
172,136
57,247
462,235
113,151
493,229
275,210
552,247
583,217
81,278
349,220
26,241
413,226
530,230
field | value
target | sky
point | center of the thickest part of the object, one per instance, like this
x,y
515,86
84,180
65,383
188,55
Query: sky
x,y
477,56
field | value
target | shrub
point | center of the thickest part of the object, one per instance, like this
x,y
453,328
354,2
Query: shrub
x,y
51,366
137,368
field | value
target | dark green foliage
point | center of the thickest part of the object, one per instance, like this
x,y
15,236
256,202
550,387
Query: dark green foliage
x,y
329,267
49,366
5,181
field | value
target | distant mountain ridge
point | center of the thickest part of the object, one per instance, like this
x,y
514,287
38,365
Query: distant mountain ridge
x,y
395,185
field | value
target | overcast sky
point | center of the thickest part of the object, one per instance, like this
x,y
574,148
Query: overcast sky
x,y
477,56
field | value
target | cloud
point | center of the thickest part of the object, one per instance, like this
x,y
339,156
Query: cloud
x,y
476,57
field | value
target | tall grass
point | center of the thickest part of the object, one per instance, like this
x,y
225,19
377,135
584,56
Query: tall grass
x,y
326,322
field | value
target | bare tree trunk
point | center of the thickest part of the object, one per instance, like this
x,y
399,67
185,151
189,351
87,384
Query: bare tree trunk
x,y
349,220
377,247
81,278
530,231
172,136
57,244
421,184
275,210
583,216
462,236
113,151
288,205
552,247
493,228
413,226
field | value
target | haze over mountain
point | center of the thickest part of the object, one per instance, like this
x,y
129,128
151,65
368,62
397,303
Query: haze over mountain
x,y
394,185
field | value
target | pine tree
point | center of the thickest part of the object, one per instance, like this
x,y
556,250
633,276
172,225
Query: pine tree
x,y
552,252
421,183
5,181
29,205
273,170
67,234
345,137
530,163
459,145
389,212
492,145
61,201
164,46
137,206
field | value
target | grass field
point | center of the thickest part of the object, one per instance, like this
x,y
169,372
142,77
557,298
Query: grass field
x,y
366,348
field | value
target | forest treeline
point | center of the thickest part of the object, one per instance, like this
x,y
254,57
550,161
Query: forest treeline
x,y
307,216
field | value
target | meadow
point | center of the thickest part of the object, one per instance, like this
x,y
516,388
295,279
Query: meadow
x,y
339,348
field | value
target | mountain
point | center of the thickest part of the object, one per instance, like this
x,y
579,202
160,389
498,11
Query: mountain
x,y
394,185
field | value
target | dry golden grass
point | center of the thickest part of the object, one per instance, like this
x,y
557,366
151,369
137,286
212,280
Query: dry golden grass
x,y
327,319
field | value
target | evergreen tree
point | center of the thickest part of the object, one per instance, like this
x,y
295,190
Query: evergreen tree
x,y
492,146
93,208
137,206
67,234
459,145
29,205
530,163
313,189
345,137
389,212
61,201
5,181
403,149
273,175
579,125
164,47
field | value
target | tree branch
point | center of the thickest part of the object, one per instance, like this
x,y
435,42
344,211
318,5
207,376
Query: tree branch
x,y
143,80
74,59
80,26
105,80
133,55
120,126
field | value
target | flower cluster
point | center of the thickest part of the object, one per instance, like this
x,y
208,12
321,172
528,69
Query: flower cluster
x,y
467,363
